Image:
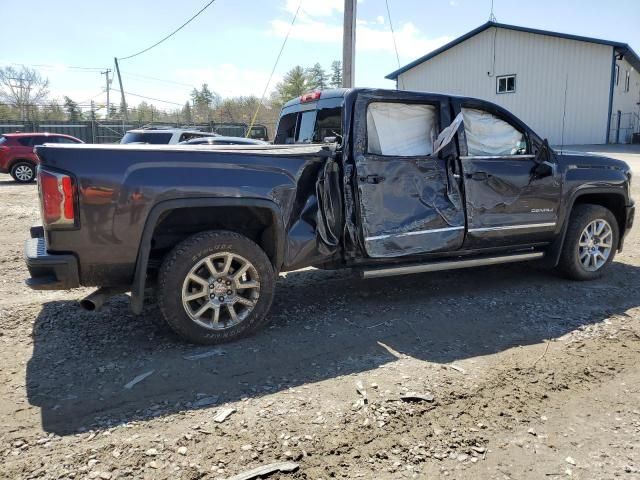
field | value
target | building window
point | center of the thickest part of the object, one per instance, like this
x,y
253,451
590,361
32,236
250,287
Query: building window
x,y
617,75
506,84
627,80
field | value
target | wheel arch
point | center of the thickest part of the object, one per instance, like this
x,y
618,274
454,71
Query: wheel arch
x,y
271,238
614,200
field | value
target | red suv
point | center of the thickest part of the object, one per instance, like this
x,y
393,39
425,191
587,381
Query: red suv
x,y
17,156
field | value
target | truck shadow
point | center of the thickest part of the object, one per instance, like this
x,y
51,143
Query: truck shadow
x,y
324,325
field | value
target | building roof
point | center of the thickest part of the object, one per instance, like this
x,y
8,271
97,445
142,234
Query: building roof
x,y
621,48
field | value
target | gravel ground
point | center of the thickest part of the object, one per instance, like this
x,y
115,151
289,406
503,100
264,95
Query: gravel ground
x,y
522,375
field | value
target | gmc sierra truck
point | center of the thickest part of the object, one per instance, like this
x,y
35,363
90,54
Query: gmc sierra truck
x,y
380,182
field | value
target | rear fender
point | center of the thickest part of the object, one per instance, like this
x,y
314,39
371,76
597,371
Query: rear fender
x,y
142,262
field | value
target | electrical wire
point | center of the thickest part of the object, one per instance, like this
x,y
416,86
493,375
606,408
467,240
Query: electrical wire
x,y
393,36
147,77
275,65
148,98
171,34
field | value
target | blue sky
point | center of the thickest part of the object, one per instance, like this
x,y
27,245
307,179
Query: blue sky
x,y
233,44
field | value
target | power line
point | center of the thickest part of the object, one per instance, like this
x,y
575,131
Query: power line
x,y
171,34
266,87
393,36
57,67
149,98
147,77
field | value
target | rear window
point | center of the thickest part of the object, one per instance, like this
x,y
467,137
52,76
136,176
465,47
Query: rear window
x,y
64,140
35,140
145,137
3,140
311,126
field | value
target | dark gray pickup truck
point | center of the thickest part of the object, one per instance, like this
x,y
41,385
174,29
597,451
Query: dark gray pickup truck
x,y
376,181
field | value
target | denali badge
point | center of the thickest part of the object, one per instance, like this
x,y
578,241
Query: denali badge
x,y
542,210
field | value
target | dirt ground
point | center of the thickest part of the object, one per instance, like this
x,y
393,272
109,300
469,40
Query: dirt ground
x,y
523,374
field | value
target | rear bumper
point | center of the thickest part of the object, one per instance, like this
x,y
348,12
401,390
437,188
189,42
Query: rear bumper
x,y
49,271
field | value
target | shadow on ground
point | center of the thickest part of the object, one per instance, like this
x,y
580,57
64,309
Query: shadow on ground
x,y
324,324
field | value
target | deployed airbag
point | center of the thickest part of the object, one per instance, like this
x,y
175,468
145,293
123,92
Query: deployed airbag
x,y
399,129
488,135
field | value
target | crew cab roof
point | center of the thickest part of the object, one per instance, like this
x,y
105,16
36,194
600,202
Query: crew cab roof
x,y
324,94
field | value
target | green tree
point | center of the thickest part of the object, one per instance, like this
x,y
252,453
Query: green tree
x,y
294,84
53,111
186,113
203,101
336,74
317,78
113,111
73,110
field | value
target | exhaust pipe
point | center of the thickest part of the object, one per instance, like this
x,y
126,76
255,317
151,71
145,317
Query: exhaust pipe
x,y
95,300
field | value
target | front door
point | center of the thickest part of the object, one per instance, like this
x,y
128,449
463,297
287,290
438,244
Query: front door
x,y
512,189
409,202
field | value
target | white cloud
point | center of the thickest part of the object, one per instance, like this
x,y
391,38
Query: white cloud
x,y
229,80
369,37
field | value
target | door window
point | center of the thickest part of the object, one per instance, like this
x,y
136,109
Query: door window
x,y
401,129
488,135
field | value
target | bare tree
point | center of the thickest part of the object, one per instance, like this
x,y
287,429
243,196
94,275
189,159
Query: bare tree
x,y
23,88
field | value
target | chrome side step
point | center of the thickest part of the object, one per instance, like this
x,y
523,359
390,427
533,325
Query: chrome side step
x,y
450,265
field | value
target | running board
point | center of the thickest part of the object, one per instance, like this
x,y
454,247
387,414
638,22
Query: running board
x,y
450,265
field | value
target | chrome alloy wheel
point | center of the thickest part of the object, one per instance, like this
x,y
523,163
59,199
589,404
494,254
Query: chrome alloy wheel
x,y
23,173
594,247
220,291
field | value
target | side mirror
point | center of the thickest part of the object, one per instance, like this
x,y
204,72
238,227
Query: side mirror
x,y
544,152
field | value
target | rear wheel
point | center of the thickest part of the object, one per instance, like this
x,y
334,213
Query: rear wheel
x,y
215,287
23,172
590,243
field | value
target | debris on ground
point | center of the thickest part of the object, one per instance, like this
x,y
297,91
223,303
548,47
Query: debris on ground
x,y
265,470
138,379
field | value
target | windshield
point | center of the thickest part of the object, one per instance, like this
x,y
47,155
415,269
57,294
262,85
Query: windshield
x,y
147,137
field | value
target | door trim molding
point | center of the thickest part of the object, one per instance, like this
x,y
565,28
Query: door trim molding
x,y
496,157
419,232
513,227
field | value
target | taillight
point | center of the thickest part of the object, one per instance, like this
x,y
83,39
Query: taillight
x,y
57,197
310,97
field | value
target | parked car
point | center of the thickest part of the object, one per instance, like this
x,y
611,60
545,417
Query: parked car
x,y
418,182
220,140
163,135
17,156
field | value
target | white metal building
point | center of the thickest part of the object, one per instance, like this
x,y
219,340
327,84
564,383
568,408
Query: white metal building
x,y
547,79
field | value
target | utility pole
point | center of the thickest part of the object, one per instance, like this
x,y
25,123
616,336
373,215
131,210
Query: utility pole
x,y
124,102
22,100
107,72
349,44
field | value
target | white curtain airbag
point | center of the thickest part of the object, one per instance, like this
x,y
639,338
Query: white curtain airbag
x,y
400,129
488,135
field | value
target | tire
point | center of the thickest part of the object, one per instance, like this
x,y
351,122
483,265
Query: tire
x,y
574,263
23,172
186,273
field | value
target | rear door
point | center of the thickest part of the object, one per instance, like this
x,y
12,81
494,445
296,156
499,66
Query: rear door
x,y
512,188
409,202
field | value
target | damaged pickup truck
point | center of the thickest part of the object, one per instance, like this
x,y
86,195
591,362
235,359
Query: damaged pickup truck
x,y
376,181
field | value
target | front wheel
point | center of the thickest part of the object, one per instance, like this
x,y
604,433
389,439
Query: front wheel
x,y
215,287
23,172
590,243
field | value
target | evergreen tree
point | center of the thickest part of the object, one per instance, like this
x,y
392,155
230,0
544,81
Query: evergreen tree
x,y
73,111
186,113
294,84
336,74
317,78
